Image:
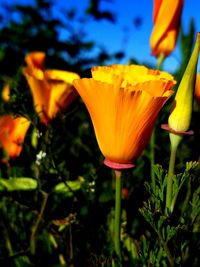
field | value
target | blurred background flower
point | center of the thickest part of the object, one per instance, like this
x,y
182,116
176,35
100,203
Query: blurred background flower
x,y
52,90
6,92
12,134
197,89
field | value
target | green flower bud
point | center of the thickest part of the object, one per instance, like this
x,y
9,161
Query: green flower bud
x,y
180,117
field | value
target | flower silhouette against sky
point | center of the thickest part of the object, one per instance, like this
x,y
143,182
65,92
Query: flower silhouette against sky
x,y
52,90
12,134
166,19
124,102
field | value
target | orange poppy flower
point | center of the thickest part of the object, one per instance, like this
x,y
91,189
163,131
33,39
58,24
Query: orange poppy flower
x,y
166,19
197,89
124,102
52,90
12,134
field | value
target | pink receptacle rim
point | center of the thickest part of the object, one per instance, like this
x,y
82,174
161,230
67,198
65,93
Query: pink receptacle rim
x,y
118,166
167,128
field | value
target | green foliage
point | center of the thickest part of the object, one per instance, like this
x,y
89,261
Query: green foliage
x,y
171,244
21,183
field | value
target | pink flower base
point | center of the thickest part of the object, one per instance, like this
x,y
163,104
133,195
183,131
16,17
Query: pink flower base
x,y
167,128
118,166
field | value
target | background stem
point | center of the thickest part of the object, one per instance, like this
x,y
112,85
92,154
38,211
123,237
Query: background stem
x,y
152,158
35,227
170,179
117,223
160,61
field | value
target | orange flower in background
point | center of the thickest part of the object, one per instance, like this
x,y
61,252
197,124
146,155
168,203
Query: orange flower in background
x,y
52,90
197,89
12,134
124,102
166,19
36,59
5,94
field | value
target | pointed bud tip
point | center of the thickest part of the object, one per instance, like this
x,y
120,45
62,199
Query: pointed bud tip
x,y
198,40
181,113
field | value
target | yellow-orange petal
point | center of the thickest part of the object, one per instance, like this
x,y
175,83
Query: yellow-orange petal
x,y
63,92
61,75
130,74
40,90
12,134
52,90
156,8
166,45
123,118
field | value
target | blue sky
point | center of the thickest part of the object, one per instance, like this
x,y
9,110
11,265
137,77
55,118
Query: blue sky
x,y
123,34
137,39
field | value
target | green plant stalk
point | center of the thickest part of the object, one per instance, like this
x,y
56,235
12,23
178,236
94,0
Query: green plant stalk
x,y
160,61
170,179
8,244
35,227
175,140
152,158
117,221
167,251
71,254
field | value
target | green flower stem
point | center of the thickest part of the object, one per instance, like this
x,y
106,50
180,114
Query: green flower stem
x,y
117,222
170,179
167,251
152,158
160,61
175,140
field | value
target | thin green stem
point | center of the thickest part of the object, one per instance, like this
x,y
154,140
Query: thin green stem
x,y
152,158
117,223
167,251
71,254
160,61
169,191
8,244
35,227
